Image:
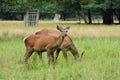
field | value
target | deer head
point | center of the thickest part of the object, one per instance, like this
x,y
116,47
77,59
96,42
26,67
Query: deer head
x,y
63,30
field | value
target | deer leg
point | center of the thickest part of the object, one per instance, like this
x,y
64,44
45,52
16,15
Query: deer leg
x,y
27,55
64,54
27,52
48,56
40,56
57,54
52,55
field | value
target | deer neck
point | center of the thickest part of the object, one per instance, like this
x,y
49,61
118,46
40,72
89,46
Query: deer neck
x,y
74,51
60,40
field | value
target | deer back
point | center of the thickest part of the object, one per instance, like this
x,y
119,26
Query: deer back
x,y
54,33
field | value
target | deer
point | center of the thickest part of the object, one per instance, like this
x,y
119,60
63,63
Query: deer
x,y
67,44
42,42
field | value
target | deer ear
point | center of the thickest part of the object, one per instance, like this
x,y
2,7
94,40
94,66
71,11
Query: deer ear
x,y
68,27
58,28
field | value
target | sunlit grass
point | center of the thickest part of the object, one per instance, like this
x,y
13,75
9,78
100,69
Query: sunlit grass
x,y
100,62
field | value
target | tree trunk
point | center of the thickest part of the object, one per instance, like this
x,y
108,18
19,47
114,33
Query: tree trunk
x,y
83,16
89,17
119,16
64,16
78,14
108,16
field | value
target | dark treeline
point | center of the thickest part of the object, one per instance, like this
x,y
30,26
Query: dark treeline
x,y
106,10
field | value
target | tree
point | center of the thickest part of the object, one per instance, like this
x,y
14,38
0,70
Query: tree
x,y
80,8
116,7
9,8
108,12
105,7
66,7
86,5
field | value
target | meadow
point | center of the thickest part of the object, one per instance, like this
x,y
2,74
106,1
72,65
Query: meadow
x,y
101,60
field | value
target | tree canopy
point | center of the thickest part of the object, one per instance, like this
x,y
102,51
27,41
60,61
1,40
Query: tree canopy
x,y
76,7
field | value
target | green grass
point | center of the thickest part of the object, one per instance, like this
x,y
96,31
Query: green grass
x,y
101,60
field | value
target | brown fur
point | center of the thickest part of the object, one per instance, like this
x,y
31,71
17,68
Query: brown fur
x,y
43,42
67,44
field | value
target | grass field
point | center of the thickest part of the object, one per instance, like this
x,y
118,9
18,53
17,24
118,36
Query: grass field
x,y
100,62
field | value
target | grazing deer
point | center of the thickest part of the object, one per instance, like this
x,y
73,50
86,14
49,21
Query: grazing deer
x,y
67,44
43,42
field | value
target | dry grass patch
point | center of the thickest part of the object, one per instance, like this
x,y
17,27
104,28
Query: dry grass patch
x,y
11,28
95,32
